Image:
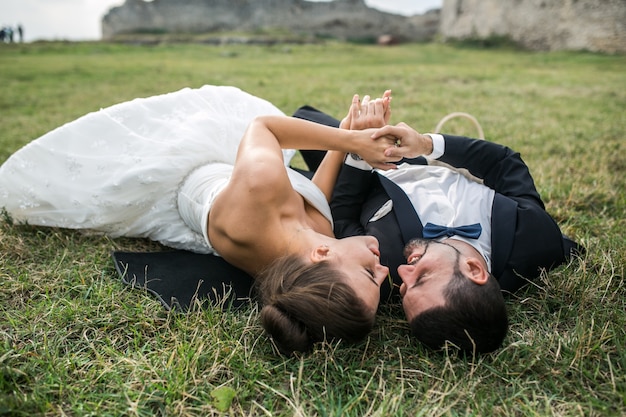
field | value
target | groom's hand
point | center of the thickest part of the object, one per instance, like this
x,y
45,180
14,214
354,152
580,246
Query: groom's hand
x,y
408,143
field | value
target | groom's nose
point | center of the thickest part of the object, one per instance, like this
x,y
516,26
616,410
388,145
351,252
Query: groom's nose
x,y
407,273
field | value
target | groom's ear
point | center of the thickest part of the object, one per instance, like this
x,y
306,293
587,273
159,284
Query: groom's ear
x,y
320,253
476,271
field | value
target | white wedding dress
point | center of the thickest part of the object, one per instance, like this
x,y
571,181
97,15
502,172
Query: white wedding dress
x,y
118,170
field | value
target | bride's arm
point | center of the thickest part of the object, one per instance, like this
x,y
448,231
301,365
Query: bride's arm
x,y
272,133
326,173
368,114
259,176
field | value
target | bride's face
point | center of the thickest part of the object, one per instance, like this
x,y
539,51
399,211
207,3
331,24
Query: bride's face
x,y
359,259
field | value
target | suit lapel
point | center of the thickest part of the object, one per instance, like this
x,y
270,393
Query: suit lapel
x,y
407,218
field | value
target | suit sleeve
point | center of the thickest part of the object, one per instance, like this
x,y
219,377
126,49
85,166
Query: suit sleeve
x,y
498,166
351,191
536,241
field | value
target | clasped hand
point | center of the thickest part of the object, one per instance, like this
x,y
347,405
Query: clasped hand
x,y
392,143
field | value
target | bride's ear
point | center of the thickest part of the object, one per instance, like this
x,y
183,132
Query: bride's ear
x,y
320,253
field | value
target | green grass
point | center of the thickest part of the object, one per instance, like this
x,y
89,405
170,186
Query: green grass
x,y
75,342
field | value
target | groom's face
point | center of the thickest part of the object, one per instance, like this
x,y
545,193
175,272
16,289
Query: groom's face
x,y
429,268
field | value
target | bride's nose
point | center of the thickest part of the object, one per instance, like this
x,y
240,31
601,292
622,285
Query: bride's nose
x,y
381,272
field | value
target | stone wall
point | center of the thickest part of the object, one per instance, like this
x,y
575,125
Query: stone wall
x,y
594,25
343,19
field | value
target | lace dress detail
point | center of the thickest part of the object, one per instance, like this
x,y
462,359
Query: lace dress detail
x,y
118,170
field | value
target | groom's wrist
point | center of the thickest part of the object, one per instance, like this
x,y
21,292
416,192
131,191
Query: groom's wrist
x,y
438,145
356,161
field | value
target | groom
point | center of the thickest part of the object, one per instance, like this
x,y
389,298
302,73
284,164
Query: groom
x,y
451,281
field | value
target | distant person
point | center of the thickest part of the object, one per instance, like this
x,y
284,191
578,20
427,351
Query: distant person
x,y
20,32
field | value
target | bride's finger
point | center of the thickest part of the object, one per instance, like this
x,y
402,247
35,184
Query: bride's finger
x,y
355,107
379,106
365,105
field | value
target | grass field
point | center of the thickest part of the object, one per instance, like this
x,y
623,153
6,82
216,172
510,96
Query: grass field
x,y
75,342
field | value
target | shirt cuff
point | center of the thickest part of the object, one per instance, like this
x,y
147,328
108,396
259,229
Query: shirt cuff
x,y
355,161
439,146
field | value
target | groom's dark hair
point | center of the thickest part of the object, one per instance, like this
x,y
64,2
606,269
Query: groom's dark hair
x,y
473,318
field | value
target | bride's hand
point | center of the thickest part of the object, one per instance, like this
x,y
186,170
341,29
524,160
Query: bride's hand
x,y
368,113
372,145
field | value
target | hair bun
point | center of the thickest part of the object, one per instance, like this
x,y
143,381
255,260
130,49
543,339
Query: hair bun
x,y
288,334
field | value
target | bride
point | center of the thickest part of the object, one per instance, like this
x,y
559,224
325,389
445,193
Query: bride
x,y
206,170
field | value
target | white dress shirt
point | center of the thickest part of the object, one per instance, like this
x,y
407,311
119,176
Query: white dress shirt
x,y
445,197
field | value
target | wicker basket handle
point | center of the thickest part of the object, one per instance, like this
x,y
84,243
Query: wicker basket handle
x,y
481,134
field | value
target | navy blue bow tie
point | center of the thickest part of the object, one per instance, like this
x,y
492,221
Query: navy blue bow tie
x,y
433,231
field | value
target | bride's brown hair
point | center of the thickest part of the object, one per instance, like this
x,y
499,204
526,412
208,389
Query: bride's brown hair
x,y
304,303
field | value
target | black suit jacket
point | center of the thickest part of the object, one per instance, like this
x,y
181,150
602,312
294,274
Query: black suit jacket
x,y
524,239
